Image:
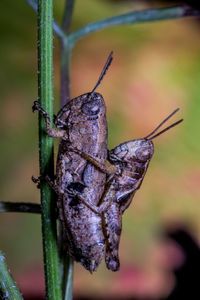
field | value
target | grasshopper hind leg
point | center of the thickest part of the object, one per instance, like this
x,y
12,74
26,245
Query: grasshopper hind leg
x,y
112,261
112,225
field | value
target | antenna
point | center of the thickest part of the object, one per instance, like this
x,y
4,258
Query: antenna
x,y
165,129
153,134
104,70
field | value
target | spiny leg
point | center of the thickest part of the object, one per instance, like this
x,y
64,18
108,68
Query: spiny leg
x,y
52,132
106,168
60,196
51,183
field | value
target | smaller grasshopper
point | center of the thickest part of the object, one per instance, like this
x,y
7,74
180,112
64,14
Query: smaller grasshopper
x,y
131,160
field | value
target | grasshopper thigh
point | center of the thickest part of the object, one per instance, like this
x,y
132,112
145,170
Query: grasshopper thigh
x,y
112,226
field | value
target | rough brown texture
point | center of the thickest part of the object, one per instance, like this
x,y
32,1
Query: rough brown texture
x,y
131,160
81,125
85,119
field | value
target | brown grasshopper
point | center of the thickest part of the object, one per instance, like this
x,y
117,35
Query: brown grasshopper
x,y
131,160
80,124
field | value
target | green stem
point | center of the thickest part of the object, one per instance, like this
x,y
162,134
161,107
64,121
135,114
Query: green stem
x,y
8,287
22,207
135,17
58,31
45,94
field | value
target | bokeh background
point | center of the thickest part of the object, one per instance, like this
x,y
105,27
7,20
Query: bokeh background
x,y
156,69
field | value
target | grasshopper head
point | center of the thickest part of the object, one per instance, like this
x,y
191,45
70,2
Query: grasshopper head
x,y
87,106
93,104
141,149
136,150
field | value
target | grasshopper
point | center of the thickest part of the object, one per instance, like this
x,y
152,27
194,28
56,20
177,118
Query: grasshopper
x,y
131,160
80,124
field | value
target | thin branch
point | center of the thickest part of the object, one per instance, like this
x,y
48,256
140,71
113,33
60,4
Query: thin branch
x,y
45,95
67,16
65,72
21,207
68,277
8,287
66,53
58,31
135,17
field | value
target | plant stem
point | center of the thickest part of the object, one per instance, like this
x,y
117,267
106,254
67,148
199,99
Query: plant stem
x,y
66,50
22,207
67,16
45,95
65,72
58,31
8,287
135,17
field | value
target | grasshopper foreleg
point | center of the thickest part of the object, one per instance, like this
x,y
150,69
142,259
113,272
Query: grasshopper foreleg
x,y
52,132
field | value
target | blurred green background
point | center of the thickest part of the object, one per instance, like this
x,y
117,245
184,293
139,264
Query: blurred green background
x,y
156,69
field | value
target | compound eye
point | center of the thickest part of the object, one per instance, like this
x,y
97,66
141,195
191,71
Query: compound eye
x,y
143,153
91,108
